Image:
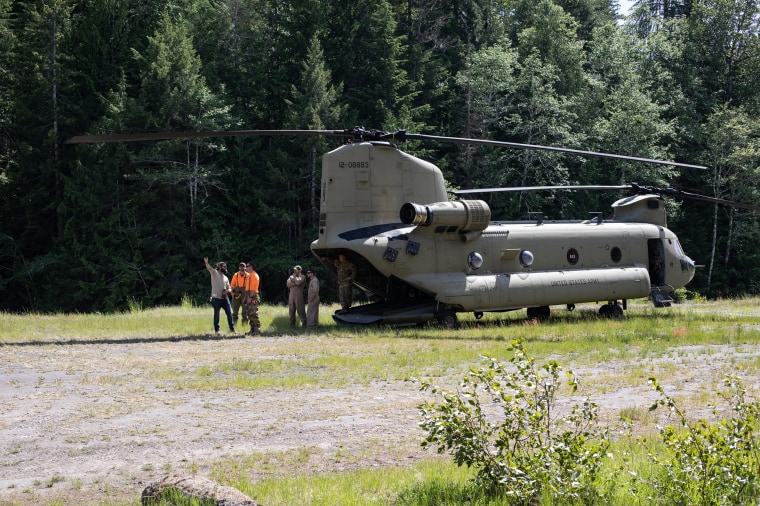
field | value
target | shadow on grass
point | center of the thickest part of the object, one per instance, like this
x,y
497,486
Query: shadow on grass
x,y
280,326
130,340
557,318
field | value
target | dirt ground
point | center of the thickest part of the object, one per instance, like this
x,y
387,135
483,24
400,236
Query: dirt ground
x,y
88,423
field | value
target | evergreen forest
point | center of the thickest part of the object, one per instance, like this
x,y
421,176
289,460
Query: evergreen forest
x,y
104,227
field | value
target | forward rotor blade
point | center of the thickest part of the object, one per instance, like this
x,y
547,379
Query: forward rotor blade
x,y
543,188
486,142
634,188
672,192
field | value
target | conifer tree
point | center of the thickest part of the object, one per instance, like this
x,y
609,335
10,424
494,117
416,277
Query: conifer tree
x,y
8,147
365,58
314,107
34,185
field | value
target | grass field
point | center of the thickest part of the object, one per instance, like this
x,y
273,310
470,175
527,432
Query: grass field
x,y
345,377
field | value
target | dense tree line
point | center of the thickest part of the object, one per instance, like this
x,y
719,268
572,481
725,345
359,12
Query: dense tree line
x,y
99,227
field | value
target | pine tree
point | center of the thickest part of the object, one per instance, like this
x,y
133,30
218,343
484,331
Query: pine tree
x,y
34,184
365,58
144,198
8,149
314,106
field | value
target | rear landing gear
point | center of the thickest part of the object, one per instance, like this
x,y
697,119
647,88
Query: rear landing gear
x,y
447,319
611,310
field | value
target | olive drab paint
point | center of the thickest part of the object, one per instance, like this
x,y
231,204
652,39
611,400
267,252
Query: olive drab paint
x,y
389,213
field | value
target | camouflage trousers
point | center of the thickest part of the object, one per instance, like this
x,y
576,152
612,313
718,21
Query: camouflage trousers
x,y
345,294
251,314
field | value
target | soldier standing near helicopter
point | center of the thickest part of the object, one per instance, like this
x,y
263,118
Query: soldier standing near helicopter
x,y
346,274
295,284
312,298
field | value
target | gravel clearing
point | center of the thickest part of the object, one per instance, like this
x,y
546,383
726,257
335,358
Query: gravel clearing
x,y
90,423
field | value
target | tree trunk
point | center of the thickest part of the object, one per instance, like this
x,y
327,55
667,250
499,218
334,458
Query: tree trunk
x,y
714,241
54,103
731,212
193,186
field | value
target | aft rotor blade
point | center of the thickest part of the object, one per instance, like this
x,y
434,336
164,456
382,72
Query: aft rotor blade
x,y
160,136
359,133
486,142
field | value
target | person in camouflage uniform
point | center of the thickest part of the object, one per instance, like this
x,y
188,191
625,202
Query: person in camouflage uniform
x,y
251,300
346,275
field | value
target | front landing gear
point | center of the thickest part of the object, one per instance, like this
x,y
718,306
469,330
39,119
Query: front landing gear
x,y
611,310
540,313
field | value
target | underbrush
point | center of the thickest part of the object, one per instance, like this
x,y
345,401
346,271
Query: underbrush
x,y
524,451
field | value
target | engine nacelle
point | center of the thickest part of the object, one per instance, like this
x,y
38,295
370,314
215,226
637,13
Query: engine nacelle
x,y
466,215
638,208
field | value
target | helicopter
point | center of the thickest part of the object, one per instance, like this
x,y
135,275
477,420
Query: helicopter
x,y
424,257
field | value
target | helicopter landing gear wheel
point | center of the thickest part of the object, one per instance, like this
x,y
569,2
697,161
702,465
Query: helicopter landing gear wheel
x,y
478,315
447,319
540,313
571,307
612,311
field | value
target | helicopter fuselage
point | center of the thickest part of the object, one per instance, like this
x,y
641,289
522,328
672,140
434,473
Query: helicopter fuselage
x,y
421,255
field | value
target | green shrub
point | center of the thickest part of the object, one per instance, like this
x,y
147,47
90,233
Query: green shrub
x,y
681,295
187,302
710,463
524,449
135,305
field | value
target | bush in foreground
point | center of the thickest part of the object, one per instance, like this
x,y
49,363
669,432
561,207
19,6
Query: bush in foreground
x,y
532,452
708,463
524,451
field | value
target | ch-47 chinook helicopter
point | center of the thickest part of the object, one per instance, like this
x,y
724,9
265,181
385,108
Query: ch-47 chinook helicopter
x,y
424,257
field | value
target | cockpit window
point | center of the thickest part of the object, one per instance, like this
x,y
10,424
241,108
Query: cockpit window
x,y
678,248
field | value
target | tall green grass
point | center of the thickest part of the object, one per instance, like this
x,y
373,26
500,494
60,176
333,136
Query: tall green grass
x,y
335,355
435,482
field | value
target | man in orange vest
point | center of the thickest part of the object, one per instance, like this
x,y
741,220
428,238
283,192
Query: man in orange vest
x,y
252,300
238,291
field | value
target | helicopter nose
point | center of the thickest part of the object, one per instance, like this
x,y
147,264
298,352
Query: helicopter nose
x,y
688,267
